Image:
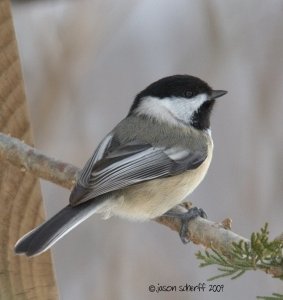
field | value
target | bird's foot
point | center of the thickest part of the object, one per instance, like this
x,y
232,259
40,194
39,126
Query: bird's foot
x,y
192,213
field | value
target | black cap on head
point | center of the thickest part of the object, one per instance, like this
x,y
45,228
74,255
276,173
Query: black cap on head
x,y
185,86
176,86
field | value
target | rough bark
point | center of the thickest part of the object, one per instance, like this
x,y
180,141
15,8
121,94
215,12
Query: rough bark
x,y
20,195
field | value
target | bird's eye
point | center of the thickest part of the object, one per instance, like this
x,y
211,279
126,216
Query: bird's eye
x,y
188,94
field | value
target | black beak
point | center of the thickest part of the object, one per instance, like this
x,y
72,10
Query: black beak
x,y
217,93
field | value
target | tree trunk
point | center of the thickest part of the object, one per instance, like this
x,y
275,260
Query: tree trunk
x,y
20,195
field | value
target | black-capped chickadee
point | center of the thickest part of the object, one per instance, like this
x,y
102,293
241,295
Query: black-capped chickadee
x,y
149,163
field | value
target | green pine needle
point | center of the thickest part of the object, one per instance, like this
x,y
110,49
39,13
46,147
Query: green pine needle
x,y
260,253
274,296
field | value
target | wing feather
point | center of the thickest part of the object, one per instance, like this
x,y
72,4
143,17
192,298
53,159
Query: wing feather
x,y
97,156
131,164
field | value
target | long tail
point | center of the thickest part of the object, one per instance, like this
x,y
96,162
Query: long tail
x,y
47,234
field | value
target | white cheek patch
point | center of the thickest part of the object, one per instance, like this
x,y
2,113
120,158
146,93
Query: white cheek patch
x,y
172,110
183,108
152,107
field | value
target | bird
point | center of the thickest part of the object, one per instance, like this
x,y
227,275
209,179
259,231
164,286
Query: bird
x,y
149,163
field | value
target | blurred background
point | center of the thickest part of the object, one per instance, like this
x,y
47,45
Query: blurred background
x,y
84,62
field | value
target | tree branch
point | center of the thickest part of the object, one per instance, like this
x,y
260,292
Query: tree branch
x,y
32,160
200,231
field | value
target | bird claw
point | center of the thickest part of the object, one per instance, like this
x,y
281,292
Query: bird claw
x,y
192,213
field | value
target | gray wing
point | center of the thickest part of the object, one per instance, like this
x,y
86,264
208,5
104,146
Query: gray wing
x,y
131,164
97,156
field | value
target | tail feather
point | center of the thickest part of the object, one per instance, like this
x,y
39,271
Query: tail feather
x,y
47,234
